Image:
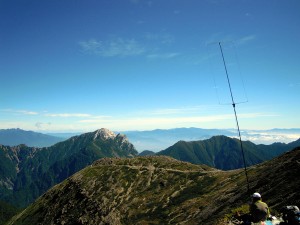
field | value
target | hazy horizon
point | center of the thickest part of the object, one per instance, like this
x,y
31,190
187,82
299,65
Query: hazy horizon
x,y
152,140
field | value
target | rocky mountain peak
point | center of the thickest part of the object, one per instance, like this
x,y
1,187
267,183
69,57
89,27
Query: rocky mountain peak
x,y
104,134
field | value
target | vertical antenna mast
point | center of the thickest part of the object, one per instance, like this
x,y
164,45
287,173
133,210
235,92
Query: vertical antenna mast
x,y
236,119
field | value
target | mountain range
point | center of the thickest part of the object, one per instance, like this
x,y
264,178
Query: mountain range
x,y
157,140
225,153
13,137
153,140
27,172
162,190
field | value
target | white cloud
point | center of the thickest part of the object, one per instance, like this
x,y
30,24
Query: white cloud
x,y
229,39
162,38
145,123
268,137
215,38
245,39
163,56
198,116
161,121
91,45
27,112
194,116
41,125
24,112
145,45
112,48
67,115
96,119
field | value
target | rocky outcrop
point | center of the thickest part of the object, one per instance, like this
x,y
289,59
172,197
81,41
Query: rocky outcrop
x,y
28,172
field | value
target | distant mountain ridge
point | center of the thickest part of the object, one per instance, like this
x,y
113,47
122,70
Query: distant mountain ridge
x,y
13,137
160,139
27,172
224,152
153,140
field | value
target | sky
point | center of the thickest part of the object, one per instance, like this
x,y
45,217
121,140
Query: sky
x,y
80,65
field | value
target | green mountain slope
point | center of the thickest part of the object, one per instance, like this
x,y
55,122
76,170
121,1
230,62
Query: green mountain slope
x,y
161,190
28,172
225,153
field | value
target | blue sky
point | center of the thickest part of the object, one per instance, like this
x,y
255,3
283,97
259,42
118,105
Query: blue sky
x,y
74,65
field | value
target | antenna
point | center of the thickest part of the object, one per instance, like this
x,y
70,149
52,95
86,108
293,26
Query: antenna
x,y
236,118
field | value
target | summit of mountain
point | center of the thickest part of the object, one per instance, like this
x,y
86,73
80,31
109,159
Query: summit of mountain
x,y
102,142
27,172
162,190
225,153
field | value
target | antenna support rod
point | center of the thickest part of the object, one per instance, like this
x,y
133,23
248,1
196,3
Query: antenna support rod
x,y
236,119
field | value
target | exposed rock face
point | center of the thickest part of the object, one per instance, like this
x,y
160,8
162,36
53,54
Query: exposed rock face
x,y
104,134
161,190
27,172
12,160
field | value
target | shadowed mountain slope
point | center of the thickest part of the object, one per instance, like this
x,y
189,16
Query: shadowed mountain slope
x,y
161,190
6,212
28,172
225,153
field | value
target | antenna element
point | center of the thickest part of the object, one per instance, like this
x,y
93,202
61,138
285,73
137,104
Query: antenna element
x,y
236,119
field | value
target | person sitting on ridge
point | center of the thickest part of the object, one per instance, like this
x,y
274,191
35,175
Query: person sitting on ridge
x,y
259,210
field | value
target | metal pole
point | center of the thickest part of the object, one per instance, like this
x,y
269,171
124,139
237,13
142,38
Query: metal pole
x,y
236,119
